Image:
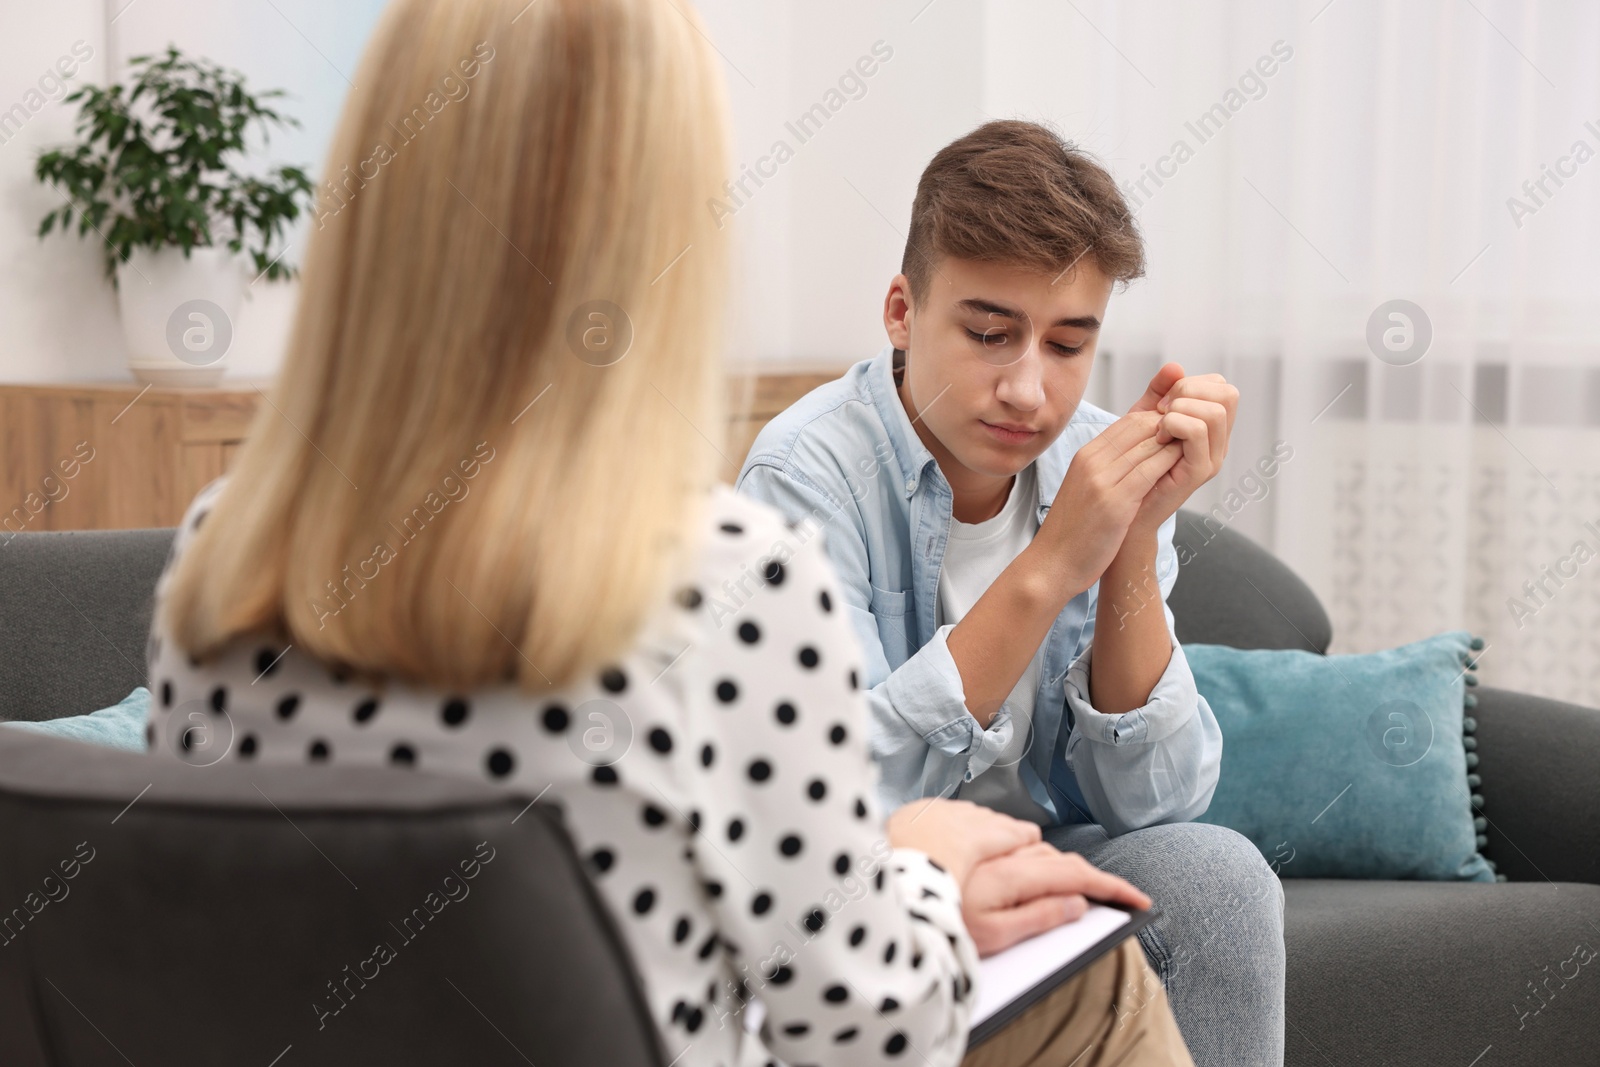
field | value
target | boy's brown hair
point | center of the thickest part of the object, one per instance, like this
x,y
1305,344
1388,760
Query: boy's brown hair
x,y
1014,192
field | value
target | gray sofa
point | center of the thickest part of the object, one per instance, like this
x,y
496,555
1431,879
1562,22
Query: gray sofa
x,y
1466,975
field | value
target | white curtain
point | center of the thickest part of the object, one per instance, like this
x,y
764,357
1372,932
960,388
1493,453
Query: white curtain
x,y
1297,167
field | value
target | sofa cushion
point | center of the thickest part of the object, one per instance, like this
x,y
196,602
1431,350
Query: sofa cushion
x,y
1437,972
75,612
1348,766
1231,591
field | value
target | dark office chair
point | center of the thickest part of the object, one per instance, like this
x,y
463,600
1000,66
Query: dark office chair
x,y
156,913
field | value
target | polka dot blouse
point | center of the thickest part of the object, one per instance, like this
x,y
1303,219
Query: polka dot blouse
x,y
716,782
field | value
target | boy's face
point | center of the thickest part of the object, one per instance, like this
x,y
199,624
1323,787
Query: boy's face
x,y
997,359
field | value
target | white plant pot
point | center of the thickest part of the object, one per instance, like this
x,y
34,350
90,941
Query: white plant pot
x,y
178,313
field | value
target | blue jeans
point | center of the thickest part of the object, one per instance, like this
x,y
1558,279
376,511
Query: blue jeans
x,y
1217,944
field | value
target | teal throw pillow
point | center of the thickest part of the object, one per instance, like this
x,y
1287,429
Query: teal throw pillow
x,y
1353,766
119,726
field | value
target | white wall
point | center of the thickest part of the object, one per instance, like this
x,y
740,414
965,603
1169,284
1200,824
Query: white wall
x,y
815,253
58,310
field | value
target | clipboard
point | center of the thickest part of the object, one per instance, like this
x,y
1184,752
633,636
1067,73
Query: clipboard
x,y
1026,973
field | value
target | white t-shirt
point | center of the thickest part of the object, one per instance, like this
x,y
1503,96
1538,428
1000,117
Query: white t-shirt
x,y
973,559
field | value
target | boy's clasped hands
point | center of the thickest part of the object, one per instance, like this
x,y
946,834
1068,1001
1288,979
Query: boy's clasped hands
x,y
1121,486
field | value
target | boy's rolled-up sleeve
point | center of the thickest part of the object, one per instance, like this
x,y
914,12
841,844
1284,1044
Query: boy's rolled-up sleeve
x,y
1157,763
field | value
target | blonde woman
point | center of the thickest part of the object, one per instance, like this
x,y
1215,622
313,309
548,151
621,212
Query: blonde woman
x,y
477,531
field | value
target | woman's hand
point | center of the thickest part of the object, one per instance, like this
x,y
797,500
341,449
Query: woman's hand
x,y
958,834
1014,896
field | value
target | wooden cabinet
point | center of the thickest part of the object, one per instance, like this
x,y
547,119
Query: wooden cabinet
x,y
755,395
114,455
119,455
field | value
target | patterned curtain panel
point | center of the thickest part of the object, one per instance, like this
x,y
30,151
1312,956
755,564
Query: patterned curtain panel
x,y
1383,222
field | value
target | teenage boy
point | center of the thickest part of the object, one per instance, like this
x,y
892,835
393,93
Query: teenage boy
x,y
1006,551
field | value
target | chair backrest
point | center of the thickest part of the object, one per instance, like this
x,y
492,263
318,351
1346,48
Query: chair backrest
x,y
74,615
1231,591
157,913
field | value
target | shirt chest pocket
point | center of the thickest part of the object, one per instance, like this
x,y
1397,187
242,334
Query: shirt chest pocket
x,y
889,609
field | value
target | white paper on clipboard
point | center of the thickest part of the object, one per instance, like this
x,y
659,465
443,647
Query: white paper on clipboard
x,y
1007,975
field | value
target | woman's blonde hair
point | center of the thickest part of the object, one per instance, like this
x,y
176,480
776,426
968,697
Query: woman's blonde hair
x,y
457,480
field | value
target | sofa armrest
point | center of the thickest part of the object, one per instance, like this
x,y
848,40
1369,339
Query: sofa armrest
x,y
1540,762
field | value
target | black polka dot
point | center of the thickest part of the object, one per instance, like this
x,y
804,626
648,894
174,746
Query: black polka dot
x,y
858,935
605,776
500,763
318,750
693,1020
708,755
888,953
166,694
761,904
403,754
836,994
845,1036
731,528
817,789
855,680
652,815
727,692
889,1004
861,808
838,734
877,879
759,770
601,860
808,657
689,597
149,735
781,976
815,920
825,600
613,679
773,572
790,845
797,1029
660,740
841,863
712,887
247,746
288,706
749,633
694,820
707,947
219,699
735,829
266,662
365,710
455,712
680,933
556,718
644,900
785,713
896,1044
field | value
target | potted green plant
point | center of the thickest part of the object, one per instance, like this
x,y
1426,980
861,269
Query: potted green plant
x,y
155,176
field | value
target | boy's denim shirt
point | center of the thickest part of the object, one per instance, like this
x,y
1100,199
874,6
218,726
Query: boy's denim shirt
x,y
845,463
